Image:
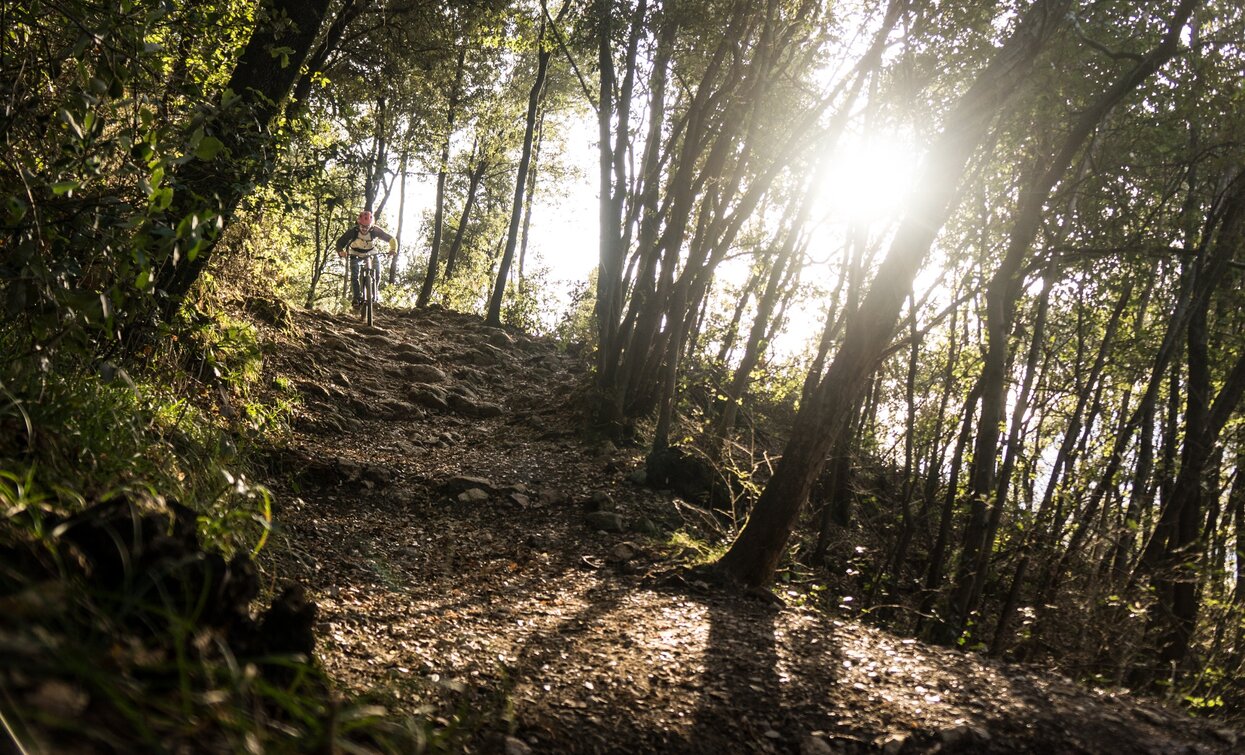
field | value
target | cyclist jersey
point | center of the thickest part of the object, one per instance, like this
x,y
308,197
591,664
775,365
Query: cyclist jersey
x,y
360,240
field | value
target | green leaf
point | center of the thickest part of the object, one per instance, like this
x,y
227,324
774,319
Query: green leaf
x,y
68,119
193,251
208,147
161,199
64,187
16,210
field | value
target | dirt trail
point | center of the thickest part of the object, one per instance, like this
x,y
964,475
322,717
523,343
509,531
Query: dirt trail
x,y
520,623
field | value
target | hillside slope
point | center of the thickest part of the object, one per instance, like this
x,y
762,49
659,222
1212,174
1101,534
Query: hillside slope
x,y
477,561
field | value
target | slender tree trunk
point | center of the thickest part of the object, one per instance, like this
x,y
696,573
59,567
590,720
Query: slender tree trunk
x,y
755,345
1236,504
1002,294
348,12
732,329
393,260
610,265
1050,581
438,217
472,189
938,555
379,158
1172,556
531,195
520,182
836,509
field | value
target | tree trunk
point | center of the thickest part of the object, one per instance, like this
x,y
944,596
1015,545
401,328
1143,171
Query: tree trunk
x,y
610,265
755,346
393,260
379,159
1172,556
1001,296
473,186
520,182
531,197
208,191
438,216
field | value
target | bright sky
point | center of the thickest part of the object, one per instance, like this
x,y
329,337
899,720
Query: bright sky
x,y
563,236
867,181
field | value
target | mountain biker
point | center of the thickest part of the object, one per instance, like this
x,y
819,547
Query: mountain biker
x,y
361,238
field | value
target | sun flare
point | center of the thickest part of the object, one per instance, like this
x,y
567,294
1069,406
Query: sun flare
x,y
868,179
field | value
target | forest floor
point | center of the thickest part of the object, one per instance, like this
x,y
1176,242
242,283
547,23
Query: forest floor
x,y
540,607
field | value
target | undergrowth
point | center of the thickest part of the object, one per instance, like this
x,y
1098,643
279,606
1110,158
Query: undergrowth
x,y
88,664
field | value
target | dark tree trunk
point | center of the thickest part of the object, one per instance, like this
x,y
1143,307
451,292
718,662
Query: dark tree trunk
x,y
938,555
315,62
321,254
1001,296
379,159
438,218
520,182
1174,552
1236,505
209,190
473,186
755,345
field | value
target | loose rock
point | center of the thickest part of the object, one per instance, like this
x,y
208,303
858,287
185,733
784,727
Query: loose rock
x,y
624,552
424,373
516,746
463,483
606,521
473,495
601,501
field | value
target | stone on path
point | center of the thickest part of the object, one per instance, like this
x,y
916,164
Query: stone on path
x,y
473,495
424,373
462,483
606,521
624,552
516,746
429,396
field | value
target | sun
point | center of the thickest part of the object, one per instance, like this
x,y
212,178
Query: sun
x,y
868,179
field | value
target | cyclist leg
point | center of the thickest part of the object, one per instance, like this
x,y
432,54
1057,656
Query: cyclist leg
x,y
355,297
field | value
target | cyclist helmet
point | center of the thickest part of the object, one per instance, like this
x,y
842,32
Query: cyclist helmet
x,y
365,218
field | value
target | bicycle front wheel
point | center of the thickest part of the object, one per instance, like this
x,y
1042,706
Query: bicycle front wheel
x,y
368,294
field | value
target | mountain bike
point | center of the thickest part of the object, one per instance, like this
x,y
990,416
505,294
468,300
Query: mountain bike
x,y
369,282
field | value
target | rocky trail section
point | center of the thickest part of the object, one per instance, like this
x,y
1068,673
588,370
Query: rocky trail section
x,y
477,561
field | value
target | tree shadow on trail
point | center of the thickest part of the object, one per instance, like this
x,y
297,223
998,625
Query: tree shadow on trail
x,y
740,689
746,694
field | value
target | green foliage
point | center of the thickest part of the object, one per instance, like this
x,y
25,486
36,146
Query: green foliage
x,y
694,550
528,302
577,324
93,147
87,438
